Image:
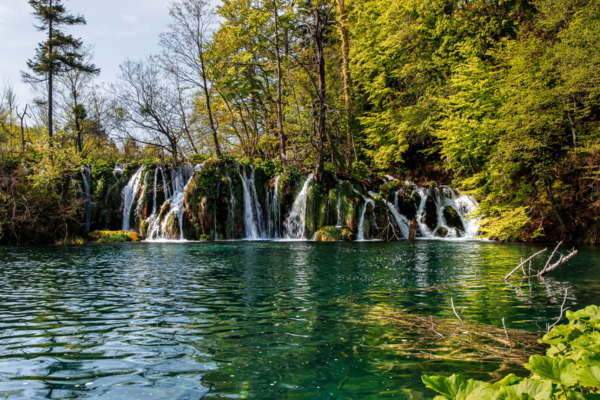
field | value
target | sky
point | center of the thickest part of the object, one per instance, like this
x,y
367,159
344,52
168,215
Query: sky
x,y
117,30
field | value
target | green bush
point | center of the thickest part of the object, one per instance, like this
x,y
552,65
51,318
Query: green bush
x,y
569,370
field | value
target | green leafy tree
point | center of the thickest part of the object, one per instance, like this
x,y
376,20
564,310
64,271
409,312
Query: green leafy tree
x,y
59,53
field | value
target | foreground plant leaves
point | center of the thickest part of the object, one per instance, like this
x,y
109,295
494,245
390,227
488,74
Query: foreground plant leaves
x,y
561,371
570,369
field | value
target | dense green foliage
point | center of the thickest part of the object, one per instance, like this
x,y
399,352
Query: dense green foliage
x,y
569,370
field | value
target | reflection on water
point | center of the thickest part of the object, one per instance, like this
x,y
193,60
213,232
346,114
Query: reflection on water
x,y
255,320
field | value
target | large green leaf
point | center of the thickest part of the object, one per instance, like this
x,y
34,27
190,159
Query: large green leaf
x,y
447,387
561,334
535,388
562,371
590,313
589,375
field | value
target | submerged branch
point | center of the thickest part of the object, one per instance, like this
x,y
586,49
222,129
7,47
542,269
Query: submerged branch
x,y
522,263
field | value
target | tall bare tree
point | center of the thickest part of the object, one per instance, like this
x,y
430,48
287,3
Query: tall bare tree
x,y
184,53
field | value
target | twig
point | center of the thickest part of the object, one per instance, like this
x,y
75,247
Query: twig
x,y
476,273
552,255
519,266
523,267
433,329
455,313
562,310
506,331
561,261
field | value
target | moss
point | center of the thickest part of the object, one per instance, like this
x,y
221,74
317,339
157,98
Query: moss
x,y
347,234
349,206
331,210
328,234
315,209
113,236
199,202
441,232
452,218
172,227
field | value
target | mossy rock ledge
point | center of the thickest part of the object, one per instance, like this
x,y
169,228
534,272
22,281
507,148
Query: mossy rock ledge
x,y
328,234
114,237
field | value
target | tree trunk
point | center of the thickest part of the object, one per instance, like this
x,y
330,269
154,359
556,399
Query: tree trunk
x,y
343,29
208,106
50,76
282,139
322,91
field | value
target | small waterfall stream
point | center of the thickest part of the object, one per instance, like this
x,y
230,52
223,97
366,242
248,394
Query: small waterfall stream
x,y
253,217
295,223
401,221
174,195
273,210
129,194
360,236
231,206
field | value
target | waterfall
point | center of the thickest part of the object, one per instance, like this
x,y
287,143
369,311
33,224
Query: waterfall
x,y
361,222
86,174
273,210
231,206
340,223
128,194
253,216
444,198
401,221
174,194
295,223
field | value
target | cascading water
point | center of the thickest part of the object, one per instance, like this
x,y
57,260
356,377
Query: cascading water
x,y
295,223
273,210
444,199
360,236
401,221
86,175
231,206
339,206
158,228
129,194
253,217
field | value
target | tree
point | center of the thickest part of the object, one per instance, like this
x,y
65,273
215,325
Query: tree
x,y
185,46
59,53
151,105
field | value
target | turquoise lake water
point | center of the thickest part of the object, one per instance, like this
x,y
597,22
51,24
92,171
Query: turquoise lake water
x,y
261,320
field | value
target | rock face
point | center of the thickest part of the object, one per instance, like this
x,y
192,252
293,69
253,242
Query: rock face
x,y
452,218
229,200
431,219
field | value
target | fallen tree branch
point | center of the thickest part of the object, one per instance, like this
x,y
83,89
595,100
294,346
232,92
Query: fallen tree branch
x,y
561,261
455,313
562,310
433,329
506,331
552,255
519,266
